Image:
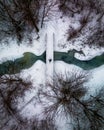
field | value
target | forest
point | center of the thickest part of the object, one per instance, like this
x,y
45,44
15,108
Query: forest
x,y
51,64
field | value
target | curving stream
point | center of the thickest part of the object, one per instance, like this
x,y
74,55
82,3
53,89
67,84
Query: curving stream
x,y
84,64
25,62
29,59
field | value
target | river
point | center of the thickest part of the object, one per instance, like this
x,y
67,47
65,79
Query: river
x,y
28,59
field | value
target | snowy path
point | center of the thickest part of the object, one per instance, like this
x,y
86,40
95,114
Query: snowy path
x,y
50,39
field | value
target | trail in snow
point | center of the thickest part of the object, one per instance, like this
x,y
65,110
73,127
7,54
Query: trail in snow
x,y
50,39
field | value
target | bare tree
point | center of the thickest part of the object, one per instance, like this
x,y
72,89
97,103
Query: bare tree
x,y
29,11
9,25
91,117
45,124
11,88
96,38
65,97
49,8
37,124
18,17
60,98
79,7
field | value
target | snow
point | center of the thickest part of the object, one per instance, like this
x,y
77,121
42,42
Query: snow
x,y
39,71
59,27
96,81
49,52
62,67
13,51
36,74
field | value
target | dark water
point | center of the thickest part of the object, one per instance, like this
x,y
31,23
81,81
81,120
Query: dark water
x,y
29,59
24,62
84,64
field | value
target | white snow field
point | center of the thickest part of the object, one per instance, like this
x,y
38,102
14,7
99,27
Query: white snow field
x,y
52,38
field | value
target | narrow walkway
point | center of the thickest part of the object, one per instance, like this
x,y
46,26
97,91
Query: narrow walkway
x,y
50,39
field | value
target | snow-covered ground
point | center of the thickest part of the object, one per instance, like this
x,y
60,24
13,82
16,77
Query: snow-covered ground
x,y
96,76
13,51
37,73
